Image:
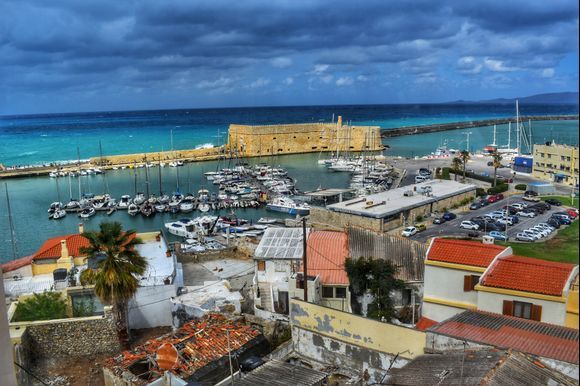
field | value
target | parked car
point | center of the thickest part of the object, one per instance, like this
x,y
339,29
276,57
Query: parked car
x,y
527,213
543,231
448,216
562,220
546,226
523,237
475,205
439,220
499,235
562,214
520,205
496,214
515,219
532,234
499,196
539,209
553,201
510,209
469,225
424,172
553,223
419,179
530,193
409,231
499,226
420,227
473,234
505,221
491,199
531,198
571,213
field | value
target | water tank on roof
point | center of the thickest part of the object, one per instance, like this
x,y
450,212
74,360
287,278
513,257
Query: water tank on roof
x,y
59,274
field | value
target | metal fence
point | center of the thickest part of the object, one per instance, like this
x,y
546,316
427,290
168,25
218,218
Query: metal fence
x,y
407,255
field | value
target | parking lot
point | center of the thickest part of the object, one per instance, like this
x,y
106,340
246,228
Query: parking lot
x,y
451,228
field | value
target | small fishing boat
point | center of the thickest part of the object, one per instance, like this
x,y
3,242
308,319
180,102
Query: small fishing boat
x,y
139,199
147,210
132,209
204,207
124,202
58,214
186,206
267,220
287,205
160,208
87,212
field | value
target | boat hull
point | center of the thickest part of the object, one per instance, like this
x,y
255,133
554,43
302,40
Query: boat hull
x,y
288,210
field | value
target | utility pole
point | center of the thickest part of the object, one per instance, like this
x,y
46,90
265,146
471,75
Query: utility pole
x,y
230,357
304,259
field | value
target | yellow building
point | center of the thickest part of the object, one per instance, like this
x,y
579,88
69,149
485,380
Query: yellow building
x,y
556,163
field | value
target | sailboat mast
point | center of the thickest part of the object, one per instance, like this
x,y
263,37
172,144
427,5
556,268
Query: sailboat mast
x,y
494,130
79,176
135,178
11,224
509,135
146,179
105,187
518,139
159,167
70,187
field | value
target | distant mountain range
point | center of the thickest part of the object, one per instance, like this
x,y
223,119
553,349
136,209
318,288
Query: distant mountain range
x,y
555,98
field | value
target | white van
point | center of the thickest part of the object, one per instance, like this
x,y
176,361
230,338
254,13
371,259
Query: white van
x,y
419,179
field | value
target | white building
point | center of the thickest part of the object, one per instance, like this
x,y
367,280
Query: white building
x,y
276,258
468,275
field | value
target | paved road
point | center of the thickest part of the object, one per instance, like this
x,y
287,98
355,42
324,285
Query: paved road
x,y
451,228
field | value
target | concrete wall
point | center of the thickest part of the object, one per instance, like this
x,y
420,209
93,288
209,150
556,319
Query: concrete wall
x,y
552,312
151,307
301,138
349,341
439,312
325,217
276,270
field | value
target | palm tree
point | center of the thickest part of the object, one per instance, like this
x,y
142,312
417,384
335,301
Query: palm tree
x,y
115,281
464,156
456,164
496,160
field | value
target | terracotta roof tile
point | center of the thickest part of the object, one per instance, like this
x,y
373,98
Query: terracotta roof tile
x,y
528,274
326,253
15,264
51,247
424,323
528,336
199,343
463,252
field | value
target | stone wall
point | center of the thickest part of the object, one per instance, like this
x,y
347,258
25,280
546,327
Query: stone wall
x,y
76,337
324,218
301,138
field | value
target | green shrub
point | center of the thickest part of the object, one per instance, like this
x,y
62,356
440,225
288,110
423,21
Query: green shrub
x,y
419,218
521,187
445,174
85,307
44,306
480,192
498,189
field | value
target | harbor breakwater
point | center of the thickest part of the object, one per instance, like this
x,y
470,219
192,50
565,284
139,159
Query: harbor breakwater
x,y
422,129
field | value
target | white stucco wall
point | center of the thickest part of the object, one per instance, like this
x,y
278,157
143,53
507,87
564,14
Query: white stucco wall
x,y
438,312
445,284
552,312
271,274
151,306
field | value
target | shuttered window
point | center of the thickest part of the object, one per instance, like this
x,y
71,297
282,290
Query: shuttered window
x,y
469,282
261,265
522,310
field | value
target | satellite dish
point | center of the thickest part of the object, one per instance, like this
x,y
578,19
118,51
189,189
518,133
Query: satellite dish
x,y
167,357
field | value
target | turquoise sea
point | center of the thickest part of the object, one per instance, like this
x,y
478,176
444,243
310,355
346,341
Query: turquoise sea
x,y
26,140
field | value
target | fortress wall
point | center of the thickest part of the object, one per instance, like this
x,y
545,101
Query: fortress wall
x,y
301,138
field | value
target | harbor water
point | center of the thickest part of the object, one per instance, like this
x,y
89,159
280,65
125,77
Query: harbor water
x,y
43,139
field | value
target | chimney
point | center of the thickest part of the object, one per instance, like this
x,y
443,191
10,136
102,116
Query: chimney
x,y
63,250
339,122
81,228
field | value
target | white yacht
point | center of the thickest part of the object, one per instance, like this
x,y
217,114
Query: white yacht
x,y
186,206
139,199
132,209
287,205
124,202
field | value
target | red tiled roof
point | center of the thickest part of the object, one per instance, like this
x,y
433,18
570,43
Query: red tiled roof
x,y
528,336
51,247
463,252
424,323
326,254
528,274
15,264
199,343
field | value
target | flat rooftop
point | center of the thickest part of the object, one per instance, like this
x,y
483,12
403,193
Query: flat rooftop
x,y
159,265
394,201
328,192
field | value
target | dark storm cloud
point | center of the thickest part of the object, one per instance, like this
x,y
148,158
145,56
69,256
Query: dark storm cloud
x,y
234,45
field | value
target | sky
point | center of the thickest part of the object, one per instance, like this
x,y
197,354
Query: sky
x,y
87,55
